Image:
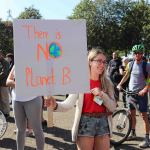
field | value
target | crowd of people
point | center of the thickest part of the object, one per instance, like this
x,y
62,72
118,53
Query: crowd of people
x,y
92,127
133,76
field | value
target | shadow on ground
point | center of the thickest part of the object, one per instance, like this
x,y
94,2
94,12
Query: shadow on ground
x,y
10,119
60,145
8,143
60,133
125,146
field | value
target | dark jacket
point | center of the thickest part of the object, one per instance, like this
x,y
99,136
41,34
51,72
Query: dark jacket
x,y
114,74
4,71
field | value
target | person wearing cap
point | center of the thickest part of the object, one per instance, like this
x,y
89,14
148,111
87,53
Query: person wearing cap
x,y
138,83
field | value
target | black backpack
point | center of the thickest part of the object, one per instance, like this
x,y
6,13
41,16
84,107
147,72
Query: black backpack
x,y
143,66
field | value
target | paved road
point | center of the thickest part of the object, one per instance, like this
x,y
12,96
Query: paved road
x,y
59,136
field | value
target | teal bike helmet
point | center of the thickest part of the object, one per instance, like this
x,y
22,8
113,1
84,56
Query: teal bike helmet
x,y
138,48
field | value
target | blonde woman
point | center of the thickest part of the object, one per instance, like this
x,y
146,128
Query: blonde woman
x,y
92,124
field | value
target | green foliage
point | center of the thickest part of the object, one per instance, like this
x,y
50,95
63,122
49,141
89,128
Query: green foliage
x,y
106,25
115,24
6,36
133,23
30,13
86,10
6,29
111,24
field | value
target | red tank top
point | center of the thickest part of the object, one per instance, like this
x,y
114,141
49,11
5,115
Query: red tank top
x,y
88,104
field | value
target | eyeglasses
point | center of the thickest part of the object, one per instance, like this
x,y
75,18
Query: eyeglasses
x,y
136,53
99,61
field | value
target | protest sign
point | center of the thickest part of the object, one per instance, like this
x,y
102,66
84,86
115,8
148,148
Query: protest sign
x,y
50,57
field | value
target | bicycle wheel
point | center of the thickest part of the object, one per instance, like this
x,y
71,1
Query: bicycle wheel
x,y
121,127
3,124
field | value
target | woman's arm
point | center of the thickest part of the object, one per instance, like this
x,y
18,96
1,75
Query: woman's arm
x,y
122,70
64,105
109,101
125,77
11,80
68,103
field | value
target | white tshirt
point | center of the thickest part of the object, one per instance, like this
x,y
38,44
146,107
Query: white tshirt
x,y
22,99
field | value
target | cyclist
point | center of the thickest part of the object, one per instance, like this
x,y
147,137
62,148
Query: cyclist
x,y
137,82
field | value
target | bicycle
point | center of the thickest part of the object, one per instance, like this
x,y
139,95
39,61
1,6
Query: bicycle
x,y
3,124
122,122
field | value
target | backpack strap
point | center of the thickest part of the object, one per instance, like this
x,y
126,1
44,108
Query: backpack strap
x,y
131,66
144,69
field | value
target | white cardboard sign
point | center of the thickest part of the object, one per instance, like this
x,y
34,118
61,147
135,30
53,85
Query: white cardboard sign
x,y
50,57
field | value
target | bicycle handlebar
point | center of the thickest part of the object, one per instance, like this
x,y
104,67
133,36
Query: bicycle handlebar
x,y
130,92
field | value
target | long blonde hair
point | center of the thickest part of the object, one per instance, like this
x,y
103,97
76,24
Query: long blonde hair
x,y
106,84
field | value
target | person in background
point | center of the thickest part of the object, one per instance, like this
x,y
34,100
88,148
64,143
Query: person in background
x,y
138,83
92,123
10,59
122,70
26,109
4,91
113,71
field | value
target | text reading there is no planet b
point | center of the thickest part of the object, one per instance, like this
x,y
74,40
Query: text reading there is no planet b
x,y
50,57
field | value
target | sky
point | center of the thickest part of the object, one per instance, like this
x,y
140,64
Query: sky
x,y
49,9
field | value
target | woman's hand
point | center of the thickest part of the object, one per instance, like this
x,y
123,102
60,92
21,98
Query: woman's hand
x,y
119,87
97,92
50,102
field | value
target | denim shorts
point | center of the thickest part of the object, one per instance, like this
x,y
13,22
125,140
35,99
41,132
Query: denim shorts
x,y
141,101
92,126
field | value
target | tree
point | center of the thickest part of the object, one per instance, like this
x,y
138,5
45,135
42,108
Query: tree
x,y
6,29
30,13
121,8
134,25
146,31
86,10
106,25
6,37
115,24
101,25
